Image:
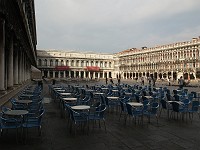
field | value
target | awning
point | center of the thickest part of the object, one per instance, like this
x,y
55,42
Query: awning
x,y
92,68
62,68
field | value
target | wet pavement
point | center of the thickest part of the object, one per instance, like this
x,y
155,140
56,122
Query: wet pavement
x,y
169,134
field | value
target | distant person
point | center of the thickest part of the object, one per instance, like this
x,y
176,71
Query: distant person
x,y
169,81
142,80
106,80
181,82
53,81
149,78
111,80
119,80
154,81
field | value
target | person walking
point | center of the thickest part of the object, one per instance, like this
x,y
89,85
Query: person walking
x,y
118,81
181,82
111,80
106,80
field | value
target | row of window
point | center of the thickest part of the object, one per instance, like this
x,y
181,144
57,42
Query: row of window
x,y
73,63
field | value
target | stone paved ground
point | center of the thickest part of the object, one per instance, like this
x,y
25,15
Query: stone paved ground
x,y
168,134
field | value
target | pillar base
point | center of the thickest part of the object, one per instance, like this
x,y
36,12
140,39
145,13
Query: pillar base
x,y
10,88
2,92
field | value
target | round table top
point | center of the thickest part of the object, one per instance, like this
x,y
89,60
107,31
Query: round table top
x,y
81,107
113,98
70,99
57,88
65,93
128,93
148,97
24,101
98,93
136,104
88,90
115,90
60,90
16,112
26,95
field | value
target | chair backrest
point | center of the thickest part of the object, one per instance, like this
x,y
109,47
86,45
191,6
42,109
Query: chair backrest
x,y
175,106
154,107
101,111
163,104
195,105
168,96
194,94
176,98
122,105
129,109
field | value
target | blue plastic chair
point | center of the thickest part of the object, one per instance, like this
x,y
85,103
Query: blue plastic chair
x,y
153,111
99,115
34,121
135,113
79,119
194,109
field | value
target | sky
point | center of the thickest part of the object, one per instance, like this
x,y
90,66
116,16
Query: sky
x,y
111,26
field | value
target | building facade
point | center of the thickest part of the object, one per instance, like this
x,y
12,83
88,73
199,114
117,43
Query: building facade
x,y
71,64
17,41
161,62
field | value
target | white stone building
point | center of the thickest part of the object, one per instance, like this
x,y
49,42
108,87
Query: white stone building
x,y
72,64
161,62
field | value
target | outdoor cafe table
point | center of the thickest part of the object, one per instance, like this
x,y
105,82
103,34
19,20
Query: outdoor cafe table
x,y
28,96
135,104
24,101
126,93
16,112
81,107
98,93
57,88
113,98
148,97
65,94
71,99
60,90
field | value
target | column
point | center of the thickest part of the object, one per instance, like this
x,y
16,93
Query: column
x,y
69,74
103,75
19,66
2,54
84,74
48,73
53,74
16,81
10,63
58,74
98,75
89,76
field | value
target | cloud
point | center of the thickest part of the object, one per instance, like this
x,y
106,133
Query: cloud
x,y
114,25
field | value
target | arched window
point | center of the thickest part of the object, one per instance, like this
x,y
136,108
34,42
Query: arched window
x,y
77,63
96,63
92,63
51,62
56,63
87,63
82,63
101,64
67,62
62,63
45,62
72,63
105,64
110,64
